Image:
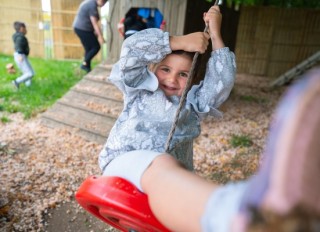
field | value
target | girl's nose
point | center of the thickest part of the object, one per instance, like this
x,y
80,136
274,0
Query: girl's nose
x,y
172,78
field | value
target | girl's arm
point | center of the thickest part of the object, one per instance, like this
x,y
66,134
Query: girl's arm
x,y
213,19
220,72
138,51
146,47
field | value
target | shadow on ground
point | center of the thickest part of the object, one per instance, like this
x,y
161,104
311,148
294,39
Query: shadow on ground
x,y
70,217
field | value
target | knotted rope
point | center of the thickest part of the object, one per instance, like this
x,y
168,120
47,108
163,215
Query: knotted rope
x,y
185,92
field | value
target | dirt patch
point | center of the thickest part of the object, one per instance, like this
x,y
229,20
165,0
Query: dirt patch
x,y
70,217
42,168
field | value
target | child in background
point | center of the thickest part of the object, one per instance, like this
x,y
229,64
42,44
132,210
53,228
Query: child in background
x,y
133,23
21,47
151,98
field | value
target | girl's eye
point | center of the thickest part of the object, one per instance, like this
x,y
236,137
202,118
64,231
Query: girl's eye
x,y
165,69
184,75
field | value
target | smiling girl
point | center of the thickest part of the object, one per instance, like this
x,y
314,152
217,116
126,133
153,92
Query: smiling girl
x,y
151,96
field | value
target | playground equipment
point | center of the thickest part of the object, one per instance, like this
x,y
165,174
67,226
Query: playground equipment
x,y
297,71
118,202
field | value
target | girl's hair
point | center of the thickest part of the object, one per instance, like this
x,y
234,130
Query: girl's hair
x,y
190,55
17,25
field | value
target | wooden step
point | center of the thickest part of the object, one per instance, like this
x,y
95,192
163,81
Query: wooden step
x,y
86,101
90,108
99,89
94,126
100,73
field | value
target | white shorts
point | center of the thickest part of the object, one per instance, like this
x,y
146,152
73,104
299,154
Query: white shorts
x,y
131,165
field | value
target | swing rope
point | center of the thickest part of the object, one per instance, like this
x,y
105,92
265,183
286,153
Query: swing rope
x,y
184,93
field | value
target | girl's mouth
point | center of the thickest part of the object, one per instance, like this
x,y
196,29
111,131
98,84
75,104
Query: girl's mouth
x,y
169,88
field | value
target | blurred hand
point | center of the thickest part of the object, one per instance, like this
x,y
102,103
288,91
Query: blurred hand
x,y
194,42
101,40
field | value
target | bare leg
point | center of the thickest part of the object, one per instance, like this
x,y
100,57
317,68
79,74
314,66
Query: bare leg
x,y
177,196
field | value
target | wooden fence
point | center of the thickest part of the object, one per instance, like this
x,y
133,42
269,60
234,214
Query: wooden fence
x,y
50,35
66,44
28,11
272,40
269,40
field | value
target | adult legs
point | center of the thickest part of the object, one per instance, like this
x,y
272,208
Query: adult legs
x,y
91,46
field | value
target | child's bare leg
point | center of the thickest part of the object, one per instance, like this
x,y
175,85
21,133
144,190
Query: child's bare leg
x,y
177,196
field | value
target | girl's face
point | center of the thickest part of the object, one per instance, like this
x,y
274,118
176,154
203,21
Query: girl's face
x,y
172,73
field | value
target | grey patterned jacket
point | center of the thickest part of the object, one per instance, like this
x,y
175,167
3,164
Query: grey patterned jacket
x,y
148,114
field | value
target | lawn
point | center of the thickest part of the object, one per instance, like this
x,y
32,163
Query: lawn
x,y
52,80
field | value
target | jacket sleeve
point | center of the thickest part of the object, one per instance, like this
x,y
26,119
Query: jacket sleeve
x,y
138,51
219,79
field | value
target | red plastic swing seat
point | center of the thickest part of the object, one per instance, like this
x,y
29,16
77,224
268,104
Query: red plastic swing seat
x,y
119,203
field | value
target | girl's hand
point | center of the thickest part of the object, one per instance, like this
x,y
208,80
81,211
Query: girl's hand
x,y
213,19
194,42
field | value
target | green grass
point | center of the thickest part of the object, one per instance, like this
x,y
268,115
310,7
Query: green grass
x,y
240,141
252,99
4,119
52,80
